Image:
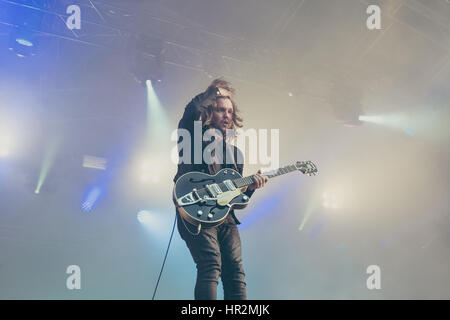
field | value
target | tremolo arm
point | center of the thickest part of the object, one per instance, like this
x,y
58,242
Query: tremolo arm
x,y
191,198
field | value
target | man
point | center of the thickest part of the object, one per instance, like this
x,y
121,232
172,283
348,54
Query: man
x,y
216,250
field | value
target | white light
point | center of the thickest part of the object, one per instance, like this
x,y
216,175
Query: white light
x,y
94,162
374,119
148,177
329,200
149,171
144,217
5,146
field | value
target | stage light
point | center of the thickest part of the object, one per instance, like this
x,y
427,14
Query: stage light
x,y
150,172
397,121
94,162
28,19
373,119
329,200
144,217
310,208
49,157
155,224
24,42
146,58
24,37
91,198
157,119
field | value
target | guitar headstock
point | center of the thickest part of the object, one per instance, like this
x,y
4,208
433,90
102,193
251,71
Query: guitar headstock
x,y
306,167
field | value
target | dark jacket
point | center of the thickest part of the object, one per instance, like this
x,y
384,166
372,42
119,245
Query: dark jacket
x,y
192,113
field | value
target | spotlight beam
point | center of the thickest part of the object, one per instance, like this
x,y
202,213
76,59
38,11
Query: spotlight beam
x,y
49,158
157,120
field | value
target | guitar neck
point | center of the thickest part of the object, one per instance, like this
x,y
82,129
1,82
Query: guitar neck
x,y
246,181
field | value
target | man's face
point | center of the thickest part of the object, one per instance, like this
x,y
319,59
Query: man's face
x,y
222,116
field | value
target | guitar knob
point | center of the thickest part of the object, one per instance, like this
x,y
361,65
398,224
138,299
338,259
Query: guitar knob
x,y
245,198
210,216
199,212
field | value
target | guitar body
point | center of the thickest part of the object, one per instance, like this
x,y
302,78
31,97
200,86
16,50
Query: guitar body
x,y
205,200
211,198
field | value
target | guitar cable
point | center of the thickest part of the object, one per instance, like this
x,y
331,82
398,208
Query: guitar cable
x,y
165,257
199,228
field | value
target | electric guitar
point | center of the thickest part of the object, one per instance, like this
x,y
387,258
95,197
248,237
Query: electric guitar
x,y
205,200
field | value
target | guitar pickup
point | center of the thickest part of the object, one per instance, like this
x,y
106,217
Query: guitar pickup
x,y
213,189
229,184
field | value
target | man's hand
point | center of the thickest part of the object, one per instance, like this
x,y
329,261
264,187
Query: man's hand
x,y
224,92
260,181
212,94
215,92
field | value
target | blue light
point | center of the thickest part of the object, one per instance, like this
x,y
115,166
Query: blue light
x,y
24,42
91,199
316,229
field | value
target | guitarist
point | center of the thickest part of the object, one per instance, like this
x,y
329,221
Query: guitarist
x,y
216,250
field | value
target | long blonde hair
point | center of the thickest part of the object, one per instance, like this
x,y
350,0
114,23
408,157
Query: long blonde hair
x,y
207,114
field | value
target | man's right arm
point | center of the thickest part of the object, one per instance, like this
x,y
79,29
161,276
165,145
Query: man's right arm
x,y
195,108
192,113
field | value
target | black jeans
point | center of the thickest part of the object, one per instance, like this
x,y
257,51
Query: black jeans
x,y
217,253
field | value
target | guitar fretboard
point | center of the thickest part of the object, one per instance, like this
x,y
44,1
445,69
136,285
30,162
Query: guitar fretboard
x,y
242,182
